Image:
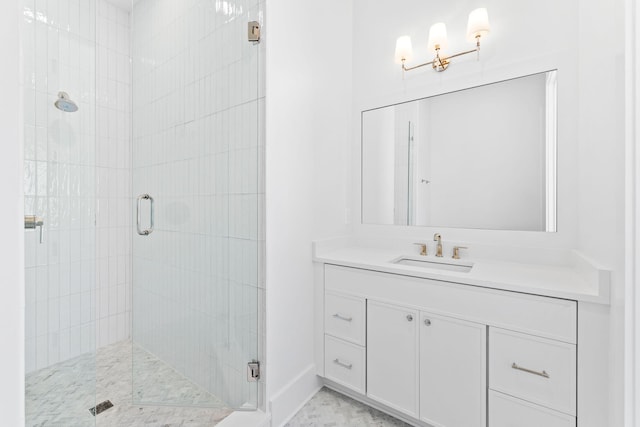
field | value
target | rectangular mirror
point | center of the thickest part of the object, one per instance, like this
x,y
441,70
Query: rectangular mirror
x,y
482,158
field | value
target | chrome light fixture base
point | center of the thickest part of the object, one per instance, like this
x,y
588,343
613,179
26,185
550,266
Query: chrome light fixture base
x,y
440,63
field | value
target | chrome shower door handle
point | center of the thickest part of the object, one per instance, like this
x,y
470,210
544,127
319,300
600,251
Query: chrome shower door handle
x,y
147,231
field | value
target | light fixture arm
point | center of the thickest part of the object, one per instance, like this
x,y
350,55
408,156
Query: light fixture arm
x,y
442,63
405,68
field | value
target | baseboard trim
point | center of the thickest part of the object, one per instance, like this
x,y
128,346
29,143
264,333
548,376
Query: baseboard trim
x,y
246,419
292,397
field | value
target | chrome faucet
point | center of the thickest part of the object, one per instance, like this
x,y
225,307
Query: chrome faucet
x,y
438,238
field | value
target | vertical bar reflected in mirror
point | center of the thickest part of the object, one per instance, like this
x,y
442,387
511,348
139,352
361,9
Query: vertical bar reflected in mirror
x,y
551,150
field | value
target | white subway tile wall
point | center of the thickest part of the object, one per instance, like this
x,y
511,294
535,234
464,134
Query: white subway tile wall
x,y
58,40
197,111
113,168
77,177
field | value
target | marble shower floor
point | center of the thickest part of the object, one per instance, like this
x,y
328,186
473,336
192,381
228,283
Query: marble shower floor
x,y
329,408
61,395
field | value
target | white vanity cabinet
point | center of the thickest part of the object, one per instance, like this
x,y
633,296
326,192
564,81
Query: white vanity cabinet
x,y
445,354
392,356
344,339
453,371
426,366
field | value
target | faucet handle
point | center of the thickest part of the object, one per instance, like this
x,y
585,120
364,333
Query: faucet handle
x,y
423,248
456,251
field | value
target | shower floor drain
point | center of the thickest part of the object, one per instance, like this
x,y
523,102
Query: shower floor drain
x,y
101,407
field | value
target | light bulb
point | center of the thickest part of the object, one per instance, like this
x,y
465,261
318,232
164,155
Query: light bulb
x,y
438,37
404,51
478,24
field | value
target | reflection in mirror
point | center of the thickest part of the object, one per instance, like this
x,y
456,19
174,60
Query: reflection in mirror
x,y
481,158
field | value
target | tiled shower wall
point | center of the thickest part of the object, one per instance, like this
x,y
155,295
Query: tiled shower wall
x,y
76,178
59,149
113,169
196,110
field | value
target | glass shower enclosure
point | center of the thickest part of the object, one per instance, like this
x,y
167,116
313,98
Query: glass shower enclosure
x,y
143,198
59,75
195,183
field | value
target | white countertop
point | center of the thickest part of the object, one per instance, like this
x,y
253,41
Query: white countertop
x,y
579,280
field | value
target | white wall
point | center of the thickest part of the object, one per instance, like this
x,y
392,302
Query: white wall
x,y
632,297
601,166
11,224
307,184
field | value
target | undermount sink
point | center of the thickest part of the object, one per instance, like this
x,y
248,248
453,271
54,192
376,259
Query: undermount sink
x,y
460,267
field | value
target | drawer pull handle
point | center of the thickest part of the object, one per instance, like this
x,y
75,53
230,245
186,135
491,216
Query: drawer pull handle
x,y
520,368
346,319
344,365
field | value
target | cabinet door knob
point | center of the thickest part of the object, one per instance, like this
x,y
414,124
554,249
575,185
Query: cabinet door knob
x,y
427,322
409,318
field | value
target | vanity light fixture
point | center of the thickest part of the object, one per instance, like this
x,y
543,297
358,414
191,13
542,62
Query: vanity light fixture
x,y
477,27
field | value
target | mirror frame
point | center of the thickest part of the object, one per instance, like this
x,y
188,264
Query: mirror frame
x,y
551,151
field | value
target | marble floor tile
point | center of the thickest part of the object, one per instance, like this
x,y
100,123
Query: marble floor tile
x,y
329,408
61,395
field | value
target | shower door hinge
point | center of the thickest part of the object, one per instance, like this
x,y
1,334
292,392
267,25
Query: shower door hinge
x,y
253,371
254,32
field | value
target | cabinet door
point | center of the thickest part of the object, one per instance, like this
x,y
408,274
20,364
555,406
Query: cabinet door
x,y
392,356
452,372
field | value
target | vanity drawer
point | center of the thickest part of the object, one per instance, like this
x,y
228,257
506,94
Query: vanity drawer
x,y
507,411
344,317
344,363
536,369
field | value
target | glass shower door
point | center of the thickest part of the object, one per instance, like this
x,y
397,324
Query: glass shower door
x,y
195,184
58,62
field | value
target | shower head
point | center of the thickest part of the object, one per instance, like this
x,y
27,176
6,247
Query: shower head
x,y
64,103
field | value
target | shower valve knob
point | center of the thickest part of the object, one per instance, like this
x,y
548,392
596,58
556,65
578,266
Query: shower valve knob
x,y
31,222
